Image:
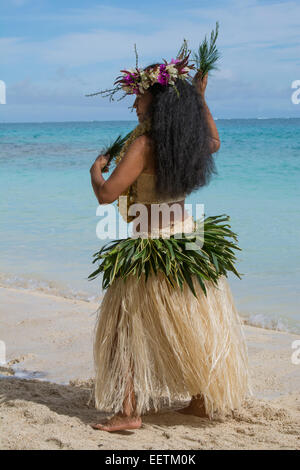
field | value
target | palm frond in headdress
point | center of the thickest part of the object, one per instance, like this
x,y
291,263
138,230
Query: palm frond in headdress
x,y
184,50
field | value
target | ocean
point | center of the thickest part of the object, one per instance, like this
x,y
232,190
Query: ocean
x,y
48,210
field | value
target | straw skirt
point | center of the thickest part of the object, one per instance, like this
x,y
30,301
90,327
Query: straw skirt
x,y
171,344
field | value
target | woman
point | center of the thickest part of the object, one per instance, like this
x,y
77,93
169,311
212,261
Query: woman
x,y
153,341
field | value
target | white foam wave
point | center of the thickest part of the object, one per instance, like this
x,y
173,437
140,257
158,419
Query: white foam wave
x,y
46,287
263,321
57,289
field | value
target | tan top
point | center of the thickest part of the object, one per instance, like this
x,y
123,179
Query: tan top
x,y
144,191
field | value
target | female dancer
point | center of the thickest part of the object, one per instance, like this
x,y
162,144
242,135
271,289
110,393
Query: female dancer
x,y
154,341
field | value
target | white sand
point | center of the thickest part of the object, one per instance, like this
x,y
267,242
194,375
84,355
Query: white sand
x,y
53,336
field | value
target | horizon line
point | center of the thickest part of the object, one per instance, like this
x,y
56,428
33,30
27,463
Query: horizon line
x,y
129,120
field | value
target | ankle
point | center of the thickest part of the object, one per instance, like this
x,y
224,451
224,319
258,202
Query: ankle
x,y
128,414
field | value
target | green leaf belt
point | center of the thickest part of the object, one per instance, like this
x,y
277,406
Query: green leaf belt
x,y
137,256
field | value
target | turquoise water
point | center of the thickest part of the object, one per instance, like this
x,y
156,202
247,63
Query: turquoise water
x,y
48,209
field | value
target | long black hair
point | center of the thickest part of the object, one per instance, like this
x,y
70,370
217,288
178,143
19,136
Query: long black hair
x,y
179,133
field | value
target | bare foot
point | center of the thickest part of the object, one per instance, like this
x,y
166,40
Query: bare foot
x,y
196,408
119,423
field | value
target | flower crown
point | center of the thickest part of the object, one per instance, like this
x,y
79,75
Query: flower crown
x,y
137,81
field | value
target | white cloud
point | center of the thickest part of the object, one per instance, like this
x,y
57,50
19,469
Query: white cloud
x,y
251,22
245,28
258,42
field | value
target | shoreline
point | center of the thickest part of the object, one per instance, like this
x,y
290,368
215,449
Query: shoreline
x,y
52,336
69,294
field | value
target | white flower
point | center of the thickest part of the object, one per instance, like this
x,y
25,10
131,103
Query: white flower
x,y
144,81
172,70
133,70
154,74
146,85
186,70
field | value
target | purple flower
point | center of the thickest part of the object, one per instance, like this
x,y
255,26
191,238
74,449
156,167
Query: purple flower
x,y
129,78
163,78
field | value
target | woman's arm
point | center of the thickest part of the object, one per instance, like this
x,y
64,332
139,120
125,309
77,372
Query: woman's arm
x,y
125,173
213,131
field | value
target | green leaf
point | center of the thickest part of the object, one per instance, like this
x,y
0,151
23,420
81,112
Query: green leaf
x,y
120,259
215,260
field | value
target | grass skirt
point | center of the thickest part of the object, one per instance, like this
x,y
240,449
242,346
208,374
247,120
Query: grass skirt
x,y
172,344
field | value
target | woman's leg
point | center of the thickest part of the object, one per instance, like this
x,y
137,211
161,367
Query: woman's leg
x,y
127,418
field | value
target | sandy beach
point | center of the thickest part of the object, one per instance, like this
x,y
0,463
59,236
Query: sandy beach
x,y
46,382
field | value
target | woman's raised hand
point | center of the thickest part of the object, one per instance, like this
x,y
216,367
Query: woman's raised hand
x,y
200,83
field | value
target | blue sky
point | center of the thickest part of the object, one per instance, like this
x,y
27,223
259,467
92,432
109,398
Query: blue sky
x,y
54,52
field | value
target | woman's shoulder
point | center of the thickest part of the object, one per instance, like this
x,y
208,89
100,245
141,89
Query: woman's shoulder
x,y
143,145
144,141
139,154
